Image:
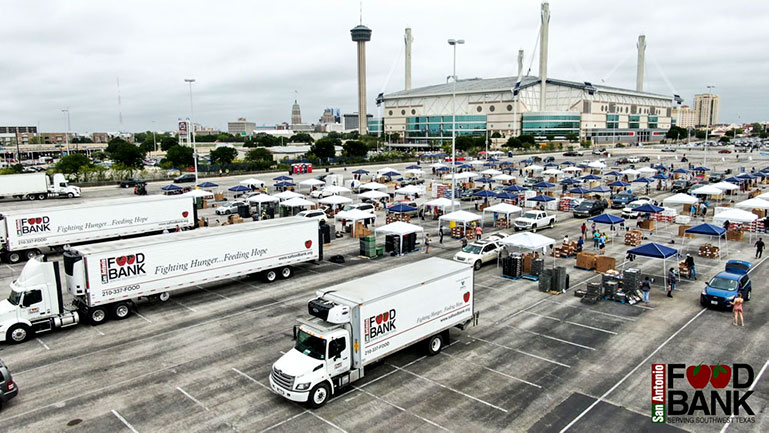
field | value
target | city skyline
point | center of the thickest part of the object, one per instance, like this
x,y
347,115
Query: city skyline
x,y
251,70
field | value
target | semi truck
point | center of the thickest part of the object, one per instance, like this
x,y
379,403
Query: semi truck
x,y
36,186
106,279
359,322
29,232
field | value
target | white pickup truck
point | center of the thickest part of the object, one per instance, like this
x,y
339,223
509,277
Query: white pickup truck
x,y
534,220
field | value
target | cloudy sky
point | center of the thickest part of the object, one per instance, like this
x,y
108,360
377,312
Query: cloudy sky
x,y
249,57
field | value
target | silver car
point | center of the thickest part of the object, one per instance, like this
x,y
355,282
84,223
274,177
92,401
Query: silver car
x,y
8,388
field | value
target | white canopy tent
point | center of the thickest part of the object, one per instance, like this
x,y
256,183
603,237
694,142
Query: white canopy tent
x,y
252,182
753,203
311,182
502,208
764,196
354,216
533,168
528,241
680,198
735,216
503,177
572,168
401,229
477,162
597,164
373,195
296,202
443,202
438,165
336,189
208,195
630,172
552,172
373,186
647,170
287,195
491,172
462,176
410,190
707,190
414,173
459,217
262,198
726,186
386,170
335,200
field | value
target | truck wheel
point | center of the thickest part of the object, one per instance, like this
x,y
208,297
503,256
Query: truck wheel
x,y
120,311
319,395
17,334
286,272
14,257
748,295
477,265
163,297
31,254
434,345
70,195
552,223
270,275
97,316
534,228
42,196
31,197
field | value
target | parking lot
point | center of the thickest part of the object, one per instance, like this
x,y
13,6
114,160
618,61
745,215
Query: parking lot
x,y
535,362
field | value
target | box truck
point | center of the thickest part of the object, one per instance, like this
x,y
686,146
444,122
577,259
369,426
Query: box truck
x,y
359,322
29,232
36,186
105,279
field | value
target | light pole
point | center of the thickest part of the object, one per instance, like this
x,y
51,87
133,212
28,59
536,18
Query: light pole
x,y
66,137
454,43
154,141
192,129
707,126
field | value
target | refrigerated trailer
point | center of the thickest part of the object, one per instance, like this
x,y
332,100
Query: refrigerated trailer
x,y
359,322
36,186
27,233
105,279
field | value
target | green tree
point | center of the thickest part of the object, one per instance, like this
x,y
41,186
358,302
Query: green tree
x,y
14,169
496,134
223,155
263,140
72,163
465,142
528,138
724,139
180,157
301,137
125,153
113,144
167,143
355,149
514,142
757,128
334,134
586,144
700,134
676,133
36,140
550,137
324,148
259,154
81,140
572,137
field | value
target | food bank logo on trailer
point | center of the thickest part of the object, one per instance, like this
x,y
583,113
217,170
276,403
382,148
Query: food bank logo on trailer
x,y
379,325
116,268
709,394
33,225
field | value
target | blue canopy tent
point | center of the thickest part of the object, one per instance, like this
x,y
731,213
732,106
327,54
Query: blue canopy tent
x,y
613,173
490,164
649,208
734,179
485,193
543,185
681,171
391,174
660,176
484,180
601,190
401,208
284,184
580,191
515,188
656,251
282,178
239,188
541,199
700,169
207,185
643,180
591,177
570,181
568,163
711,230
660,167
507,196
360,171
442,169
171,187
619,184
464,166
414,167
607,218
551,164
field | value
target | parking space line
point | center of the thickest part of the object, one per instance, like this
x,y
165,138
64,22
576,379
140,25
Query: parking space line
x,y
130,427
520,311
495,371
572,323
522,352
550,337
43,344
395,371
251,379
489,287
327,421
399,408
640,364
629,319
285,421
97,331
452,389
758,377
182,305
142,316
197,402
214,293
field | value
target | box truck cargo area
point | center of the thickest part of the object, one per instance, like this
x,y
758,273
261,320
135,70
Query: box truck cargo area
x,y
357,323
105,279
36,186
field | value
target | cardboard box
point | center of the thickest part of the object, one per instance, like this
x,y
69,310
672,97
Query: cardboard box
x,y
681,232
586,260
605,263
647,224
734,235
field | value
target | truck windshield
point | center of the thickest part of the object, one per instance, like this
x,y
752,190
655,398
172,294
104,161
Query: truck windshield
x,y
15,297
530,215
311,345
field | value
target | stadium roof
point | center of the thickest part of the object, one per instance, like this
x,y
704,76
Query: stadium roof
x,y
502,84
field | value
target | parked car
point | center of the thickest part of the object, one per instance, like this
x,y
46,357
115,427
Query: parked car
x,y
589,208
716,177
8,388
629,212
314,214
549,159
230,207
534,220
724,151
680,185
723,288
479,252
633,159
600,151
185,178
618,201
320,193
623,160
643,159
129,183
668,149
573,153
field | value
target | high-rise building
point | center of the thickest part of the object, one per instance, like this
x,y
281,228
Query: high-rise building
x,y
241,127
705,104
684,116
328,116
296,114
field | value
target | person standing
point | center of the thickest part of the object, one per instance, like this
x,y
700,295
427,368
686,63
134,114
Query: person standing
x,y
671,282
427,243
759,248
478,232
646,287
580,243
596,239
565,239
726,225
440,234
737,309
584,229
602,243
475,203
691,270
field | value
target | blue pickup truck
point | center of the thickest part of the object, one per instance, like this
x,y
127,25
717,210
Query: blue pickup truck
x,y
723,288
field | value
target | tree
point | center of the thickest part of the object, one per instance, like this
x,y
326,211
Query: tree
x,y
514,142
81,140
572,137
528,138
496,134
114,143
700,134
723,139
465,142
180,156
301,137
72,163
676,133
223,155
324,148
167,143
263,140
36,140
586,144
125,153
355,149
550,137
260,154
334,134
757,128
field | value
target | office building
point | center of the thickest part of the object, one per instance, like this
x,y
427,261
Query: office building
x,y
241,127
706,104
684,117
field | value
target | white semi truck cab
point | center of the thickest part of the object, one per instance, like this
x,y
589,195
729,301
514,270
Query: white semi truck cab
x,y
61,188
356,323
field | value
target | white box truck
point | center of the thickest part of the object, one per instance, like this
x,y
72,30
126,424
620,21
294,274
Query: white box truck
x,y
106,278
29,232
359,322
36,186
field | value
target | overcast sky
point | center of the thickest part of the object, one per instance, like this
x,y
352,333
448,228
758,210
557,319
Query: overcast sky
x,y
249,57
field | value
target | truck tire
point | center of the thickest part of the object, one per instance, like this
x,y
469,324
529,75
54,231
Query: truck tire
x,y
42,196
552,223
18,334
434,344
477,265
31,254
70,195
163,297
286,272
13,257
121,310
97,316
270,275
534,228
319,395
30,197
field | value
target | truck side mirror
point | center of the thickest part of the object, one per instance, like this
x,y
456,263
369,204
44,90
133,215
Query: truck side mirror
x,y
294,332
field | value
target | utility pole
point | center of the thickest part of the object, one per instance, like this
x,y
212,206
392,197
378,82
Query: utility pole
x,y
707,127
454,43
190,129
66,137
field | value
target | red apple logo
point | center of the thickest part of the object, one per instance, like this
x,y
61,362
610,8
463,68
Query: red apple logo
x,y
38,220
386,316
698,376
31,221
131,259
121,260
185,213
379,319
307,244
466,296
721,374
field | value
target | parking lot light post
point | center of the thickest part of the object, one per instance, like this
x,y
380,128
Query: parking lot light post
x,y
66,137
454,43
191,130
707,127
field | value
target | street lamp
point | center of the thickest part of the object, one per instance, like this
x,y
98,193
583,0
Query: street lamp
x,y
154,141
454,43
66,137
707,126
191,129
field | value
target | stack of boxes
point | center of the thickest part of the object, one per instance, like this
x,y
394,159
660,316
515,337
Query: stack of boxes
x,y
592,294
634,238
393,217
368,246
734,235
605,263
709,251
457,231
586,260
565,250
501,223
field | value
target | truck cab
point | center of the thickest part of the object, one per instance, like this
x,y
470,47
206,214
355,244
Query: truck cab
x,y
60,188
